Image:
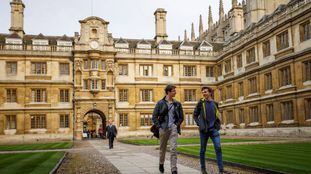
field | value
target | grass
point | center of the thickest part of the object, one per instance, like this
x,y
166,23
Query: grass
x,y
34,163
181,141
291,158
20,147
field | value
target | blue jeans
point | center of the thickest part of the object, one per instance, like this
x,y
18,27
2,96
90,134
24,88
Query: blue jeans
x,y
215,136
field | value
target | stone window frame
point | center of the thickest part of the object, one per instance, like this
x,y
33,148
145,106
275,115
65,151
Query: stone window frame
x,y
308,108
241,115
38,121
285,76
305,31
251,55
287,110
266,48
268,81
229,93
189,121
123,69
123,119
10,122
64,121
11,95
282,40
254,114
229,118
39,95
190,70
168,70
270,112
209,71
145,119
306,70
239,61
123,95
64,95
146,70
146,95
10,69
241,89
189,95
39,68
252,85
64,68
228,66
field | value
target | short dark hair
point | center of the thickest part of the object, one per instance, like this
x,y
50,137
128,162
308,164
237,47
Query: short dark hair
x,y
210,90
169,88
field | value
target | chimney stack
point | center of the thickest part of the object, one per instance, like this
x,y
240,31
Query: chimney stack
x,y
17,17
160,24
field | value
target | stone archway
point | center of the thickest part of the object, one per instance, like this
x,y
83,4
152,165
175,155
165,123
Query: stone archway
x,y
91,115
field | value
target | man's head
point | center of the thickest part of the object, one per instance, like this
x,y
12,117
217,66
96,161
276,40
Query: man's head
x,y
207,92
170,90
110,121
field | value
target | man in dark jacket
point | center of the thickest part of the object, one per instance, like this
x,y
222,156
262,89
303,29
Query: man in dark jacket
x,y
111,133
206,116
168,116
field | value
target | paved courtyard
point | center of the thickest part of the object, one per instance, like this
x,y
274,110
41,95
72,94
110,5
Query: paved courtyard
x,y
129,160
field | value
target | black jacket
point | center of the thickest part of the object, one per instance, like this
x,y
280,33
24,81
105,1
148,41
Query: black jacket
x,y
200,117
111,131
160,114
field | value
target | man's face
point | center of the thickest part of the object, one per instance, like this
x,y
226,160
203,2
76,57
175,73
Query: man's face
x,y
206,93
172,93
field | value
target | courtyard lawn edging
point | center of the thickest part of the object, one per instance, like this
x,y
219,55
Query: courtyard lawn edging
x,y
39,146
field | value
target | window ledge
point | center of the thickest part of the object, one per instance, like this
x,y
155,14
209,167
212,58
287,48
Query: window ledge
x,y
308,120
253,94
230,100
287,86
10,131
146,78
307,83
190,102
251,65
146,102
254,124
241,98
38,77
269,91
270,122
288,122
38,131
283,52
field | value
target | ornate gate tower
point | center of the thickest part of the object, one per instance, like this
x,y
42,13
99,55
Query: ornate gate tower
x,y
94,69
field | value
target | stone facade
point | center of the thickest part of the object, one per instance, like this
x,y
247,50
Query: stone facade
x,y
57,87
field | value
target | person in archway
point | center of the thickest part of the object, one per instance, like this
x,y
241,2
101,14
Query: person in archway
x,y
206,116
112,132
168,116
101,132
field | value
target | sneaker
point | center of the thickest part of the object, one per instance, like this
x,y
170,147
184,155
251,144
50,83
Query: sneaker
x,y
174,172
203,171
161,168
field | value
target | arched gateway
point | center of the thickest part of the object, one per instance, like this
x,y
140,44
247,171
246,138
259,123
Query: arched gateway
x,y
94,124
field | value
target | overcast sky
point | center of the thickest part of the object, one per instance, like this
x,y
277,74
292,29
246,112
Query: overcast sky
x,y
128,18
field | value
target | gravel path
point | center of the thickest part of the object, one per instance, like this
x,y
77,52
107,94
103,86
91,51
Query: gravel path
x,y
87,160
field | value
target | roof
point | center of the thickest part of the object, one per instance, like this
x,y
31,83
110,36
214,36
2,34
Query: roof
x,y
93,18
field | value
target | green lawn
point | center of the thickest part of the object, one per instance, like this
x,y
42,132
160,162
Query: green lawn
x,y
58,145
34,163
292,158
181,141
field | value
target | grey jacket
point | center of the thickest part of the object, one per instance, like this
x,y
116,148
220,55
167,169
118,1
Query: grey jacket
x,y
160,114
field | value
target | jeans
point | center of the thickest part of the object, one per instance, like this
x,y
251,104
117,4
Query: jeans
x,y
215,136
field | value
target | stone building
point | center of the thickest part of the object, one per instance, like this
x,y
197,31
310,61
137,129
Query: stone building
x,y
257,58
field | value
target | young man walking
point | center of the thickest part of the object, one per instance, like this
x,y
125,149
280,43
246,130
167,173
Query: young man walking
x,y
111,133
168,116
206,116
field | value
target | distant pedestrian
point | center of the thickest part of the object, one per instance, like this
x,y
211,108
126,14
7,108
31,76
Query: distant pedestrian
x,y
112,132
101,132
206,116
168,116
